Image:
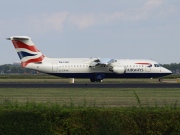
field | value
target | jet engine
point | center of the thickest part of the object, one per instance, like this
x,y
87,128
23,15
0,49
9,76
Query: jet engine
x,y
117,69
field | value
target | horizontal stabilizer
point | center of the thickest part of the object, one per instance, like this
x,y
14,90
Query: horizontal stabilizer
x,y
18,38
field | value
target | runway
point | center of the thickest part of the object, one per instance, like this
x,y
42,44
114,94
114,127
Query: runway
x,y
89,85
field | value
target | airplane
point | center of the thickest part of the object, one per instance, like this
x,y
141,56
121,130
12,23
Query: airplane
x,y
96,69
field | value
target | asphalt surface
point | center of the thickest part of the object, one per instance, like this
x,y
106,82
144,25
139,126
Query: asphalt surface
x,y
89,85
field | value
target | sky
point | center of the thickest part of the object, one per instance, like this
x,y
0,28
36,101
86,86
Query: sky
x,y
120,29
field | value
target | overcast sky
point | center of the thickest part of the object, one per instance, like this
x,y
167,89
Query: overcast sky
x,y
122,29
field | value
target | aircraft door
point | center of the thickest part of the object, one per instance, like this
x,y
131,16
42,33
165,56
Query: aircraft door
x,y
148,69
54,67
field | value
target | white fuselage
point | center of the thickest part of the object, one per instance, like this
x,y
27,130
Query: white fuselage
x,y
94,68
80,68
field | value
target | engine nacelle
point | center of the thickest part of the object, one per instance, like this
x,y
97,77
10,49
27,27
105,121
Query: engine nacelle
x,y
118,70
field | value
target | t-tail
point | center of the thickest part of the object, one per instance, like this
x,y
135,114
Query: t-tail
x,y
26,49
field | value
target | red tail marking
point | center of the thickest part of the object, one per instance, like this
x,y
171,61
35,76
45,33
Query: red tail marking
x,y
19,44
24,64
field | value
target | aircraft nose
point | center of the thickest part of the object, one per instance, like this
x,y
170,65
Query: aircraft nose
x,y
167,71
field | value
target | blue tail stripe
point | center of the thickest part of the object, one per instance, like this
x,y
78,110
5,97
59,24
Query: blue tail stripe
x,y
24,54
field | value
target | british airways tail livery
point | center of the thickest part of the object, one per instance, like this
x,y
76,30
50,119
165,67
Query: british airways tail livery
x,y
96,69
27,51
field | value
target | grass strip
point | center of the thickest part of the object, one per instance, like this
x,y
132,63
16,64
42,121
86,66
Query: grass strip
x,y
50,119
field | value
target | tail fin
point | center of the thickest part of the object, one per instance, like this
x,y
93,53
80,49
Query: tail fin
x,y
26,49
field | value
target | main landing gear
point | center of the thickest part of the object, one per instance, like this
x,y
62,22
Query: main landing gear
x,y
96,80
160,79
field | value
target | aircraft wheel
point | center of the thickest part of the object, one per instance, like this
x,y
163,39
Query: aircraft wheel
x,y
92,80
99,80
160,79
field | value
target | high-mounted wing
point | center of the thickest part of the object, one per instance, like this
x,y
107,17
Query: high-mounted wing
x,y
102,61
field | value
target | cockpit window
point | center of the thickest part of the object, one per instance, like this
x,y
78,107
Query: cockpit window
x,y
157,65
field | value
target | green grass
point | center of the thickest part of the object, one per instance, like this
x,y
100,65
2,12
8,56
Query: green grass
x,y
89,111
52,119
43,78
103,97
66,80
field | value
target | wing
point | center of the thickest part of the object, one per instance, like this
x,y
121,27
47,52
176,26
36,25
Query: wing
x,y
102,61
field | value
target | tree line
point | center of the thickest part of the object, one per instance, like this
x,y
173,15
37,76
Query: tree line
x,y
174,67
17,69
